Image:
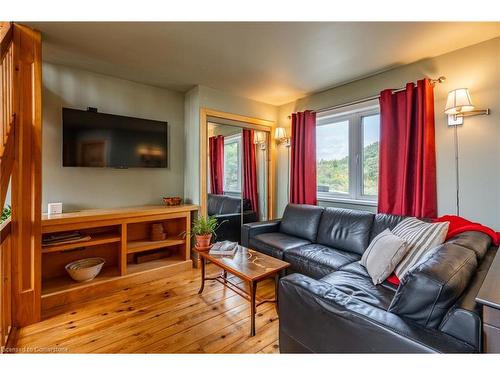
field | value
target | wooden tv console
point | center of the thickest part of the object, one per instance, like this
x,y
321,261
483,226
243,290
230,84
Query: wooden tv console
x,y
118,236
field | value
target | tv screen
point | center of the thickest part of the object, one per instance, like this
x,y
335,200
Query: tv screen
x,y
93,139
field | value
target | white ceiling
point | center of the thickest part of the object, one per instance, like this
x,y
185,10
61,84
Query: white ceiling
x,y
272,62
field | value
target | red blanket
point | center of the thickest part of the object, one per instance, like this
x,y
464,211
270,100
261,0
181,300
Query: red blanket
x,y
459,225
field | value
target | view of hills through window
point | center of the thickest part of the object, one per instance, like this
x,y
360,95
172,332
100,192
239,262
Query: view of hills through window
x,y
332,155
231,167
371,136
333,152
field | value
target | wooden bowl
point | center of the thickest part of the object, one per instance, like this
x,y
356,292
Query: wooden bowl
x,y
172,201
85,269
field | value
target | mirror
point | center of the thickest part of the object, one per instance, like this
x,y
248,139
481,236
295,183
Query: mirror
x,y
237,176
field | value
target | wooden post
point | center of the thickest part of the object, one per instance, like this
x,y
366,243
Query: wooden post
x,y
122,259
187,246
26,177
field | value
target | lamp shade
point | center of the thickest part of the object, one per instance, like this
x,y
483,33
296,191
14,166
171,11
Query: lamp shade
x,y
279,133
458,101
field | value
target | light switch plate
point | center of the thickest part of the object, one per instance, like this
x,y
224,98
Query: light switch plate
x,y
55,208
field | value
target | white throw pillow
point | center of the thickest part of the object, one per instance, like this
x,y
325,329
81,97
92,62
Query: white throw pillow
x,y
383,255
420,237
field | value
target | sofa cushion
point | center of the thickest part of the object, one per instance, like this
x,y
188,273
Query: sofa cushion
x,y
316,260
476,241
360,286
275,243
230,205
357,268
383,255
301,220
344,229
431,287
463,319
382,222
214,204
421,237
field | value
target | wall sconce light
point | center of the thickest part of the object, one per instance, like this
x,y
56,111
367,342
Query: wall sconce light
x,y
459,105
281,137
259,138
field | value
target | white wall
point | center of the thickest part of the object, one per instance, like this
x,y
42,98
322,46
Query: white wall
x,y
81,188
476,67
192,146
206,97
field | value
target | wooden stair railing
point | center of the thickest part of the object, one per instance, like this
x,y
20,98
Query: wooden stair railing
x,y
5,284
7,150
20,166
7,116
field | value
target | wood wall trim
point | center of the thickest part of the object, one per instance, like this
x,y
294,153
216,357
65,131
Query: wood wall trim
x,y
249,123
26,177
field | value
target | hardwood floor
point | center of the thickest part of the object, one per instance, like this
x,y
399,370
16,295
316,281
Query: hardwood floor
x,y
163,316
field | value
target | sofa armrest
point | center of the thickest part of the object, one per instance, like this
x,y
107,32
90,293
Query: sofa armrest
x,y
250,217
249,230
315,317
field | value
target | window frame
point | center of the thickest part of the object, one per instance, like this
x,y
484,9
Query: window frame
x,y
339,119
235,138
354,115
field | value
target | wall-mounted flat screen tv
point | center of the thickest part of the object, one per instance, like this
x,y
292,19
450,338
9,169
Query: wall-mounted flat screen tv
x,y
94,139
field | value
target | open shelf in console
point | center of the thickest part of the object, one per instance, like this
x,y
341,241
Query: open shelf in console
x,y
122,238
55,279
174,229
65,284
145,245
95,239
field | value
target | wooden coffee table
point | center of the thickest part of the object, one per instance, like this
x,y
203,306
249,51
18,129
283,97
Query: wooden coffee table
x,y
250,266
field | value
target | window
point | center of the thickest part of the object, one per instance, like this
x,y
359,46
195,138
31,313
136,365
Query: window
x,y
332,155
347,144
371,137
232,164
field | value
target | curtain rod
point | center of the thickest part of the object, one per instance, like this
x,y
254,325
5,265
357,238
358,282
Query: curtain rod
x,y
433,81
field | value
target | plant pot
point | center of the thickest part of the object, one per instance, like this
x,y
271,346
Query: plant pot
x,y
203,240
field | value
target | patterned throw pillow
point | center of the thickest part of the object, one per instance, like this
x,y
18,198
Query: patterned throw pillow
x,y
383,255
420,237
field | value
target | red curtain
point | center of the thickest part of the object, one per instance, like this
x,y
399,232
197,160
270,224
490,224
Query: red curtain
x,y
216,150
407,165
250,170
303,158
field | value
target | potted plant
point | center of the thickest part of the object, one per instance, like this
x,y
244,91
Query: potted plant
x,y
203,229
6,213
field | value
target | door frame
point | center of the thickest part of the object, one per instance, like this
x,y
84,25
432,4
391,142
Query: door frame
x,y
248,123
